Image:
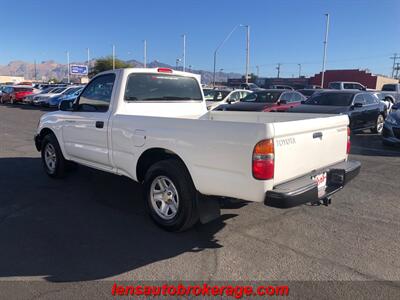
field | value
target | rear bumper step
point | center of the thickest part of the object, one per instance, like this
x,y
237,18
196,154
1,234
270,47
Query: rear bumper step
x,y
304,189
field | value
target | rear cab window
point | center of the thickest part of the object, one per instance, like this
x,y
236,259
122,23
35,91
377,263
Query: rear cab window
x,y
334,85
161,87
389,88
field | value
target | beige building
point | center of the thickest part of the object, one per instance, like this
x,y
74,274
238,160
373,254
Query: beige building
x,y
11,79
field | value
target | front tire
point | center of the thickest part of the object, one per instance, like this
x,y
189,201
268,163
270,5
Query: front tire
x,y
378,124
171,198
54,163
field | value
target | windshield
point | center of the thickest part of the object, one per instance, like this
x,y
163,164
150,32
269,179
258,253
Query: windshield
x,y
23,90
331,99
263,97
161,87
71,91
307,92
215,95
58,90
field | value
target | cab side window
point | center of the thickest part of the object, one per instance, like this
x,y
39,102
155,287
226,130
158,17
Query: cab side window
x,y
96,97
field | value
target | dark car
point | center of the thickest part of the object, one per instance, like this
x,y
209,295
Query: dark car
x,y
391,129
364,109
266,100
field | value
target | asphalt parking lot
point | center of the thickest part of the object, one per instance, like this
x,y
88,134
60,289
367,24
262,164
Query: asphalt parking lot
x,y
92,225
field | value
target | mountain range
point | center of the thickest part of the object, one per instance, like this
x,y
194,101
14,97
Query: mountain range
x,y
49,69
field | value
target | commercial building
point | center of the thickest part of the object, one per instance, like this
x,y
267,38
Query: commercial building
x,y
11,79
366,78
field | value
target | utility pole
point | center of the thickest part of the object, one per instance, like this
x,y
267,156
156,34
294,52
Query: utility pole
x,y
394,57
68,79
397,70
35,73
113,56
88,60
279,69
145,54
247,52
258,71
325,47
299,70
184,53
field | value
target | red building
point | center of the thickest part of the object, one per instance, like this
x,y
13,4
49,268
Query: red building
x,y
365,78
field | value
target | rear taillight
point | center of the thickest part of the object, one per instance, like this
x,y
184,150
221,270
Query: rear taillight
x,y
263,160
348,141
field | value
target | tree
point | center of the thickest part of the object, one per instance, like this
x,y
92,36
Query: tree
x,y
106,63
54,80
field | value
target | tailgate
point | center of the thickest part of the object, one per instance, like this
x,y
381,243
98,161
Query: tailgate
x,y
307,145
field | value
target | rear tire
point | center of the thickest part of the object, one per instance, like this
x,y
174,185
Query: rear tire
x,y
378,124
171,197
54,163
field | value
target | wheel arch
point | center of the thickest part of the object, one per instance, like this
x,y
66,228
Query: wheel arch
x,y
39,138
153,155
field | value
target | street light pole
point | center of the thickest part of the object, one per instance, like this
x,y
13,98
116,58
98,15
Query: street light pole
x,y
216,50
68,79
299,70
325,48
184,52
145,54
113,56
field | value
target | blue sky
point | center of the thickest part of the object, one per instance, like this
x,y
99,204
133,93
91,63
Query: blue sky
x,y
363,33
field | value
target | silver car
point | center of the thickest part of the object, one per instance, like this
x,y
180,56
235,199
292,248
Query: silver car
x,y
216,97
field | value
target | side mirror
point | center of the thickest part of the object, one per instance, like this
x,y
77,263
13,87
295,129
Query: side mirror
x,y
302,101
358,104
66,105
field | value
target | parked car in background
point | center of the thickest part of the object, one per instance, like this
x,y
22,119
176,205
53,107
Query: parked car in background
x,y
345,85
54,101
216,97
250,86
29,99
364,109
391,129
391,92
267,101
42,99
14,94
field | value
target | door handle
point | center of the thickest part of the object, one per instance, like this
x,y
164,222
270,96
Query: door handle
x,y
99,124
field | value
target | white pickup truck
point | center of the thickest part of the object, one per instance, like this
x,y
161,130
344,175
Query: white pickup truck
x,y
152,125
